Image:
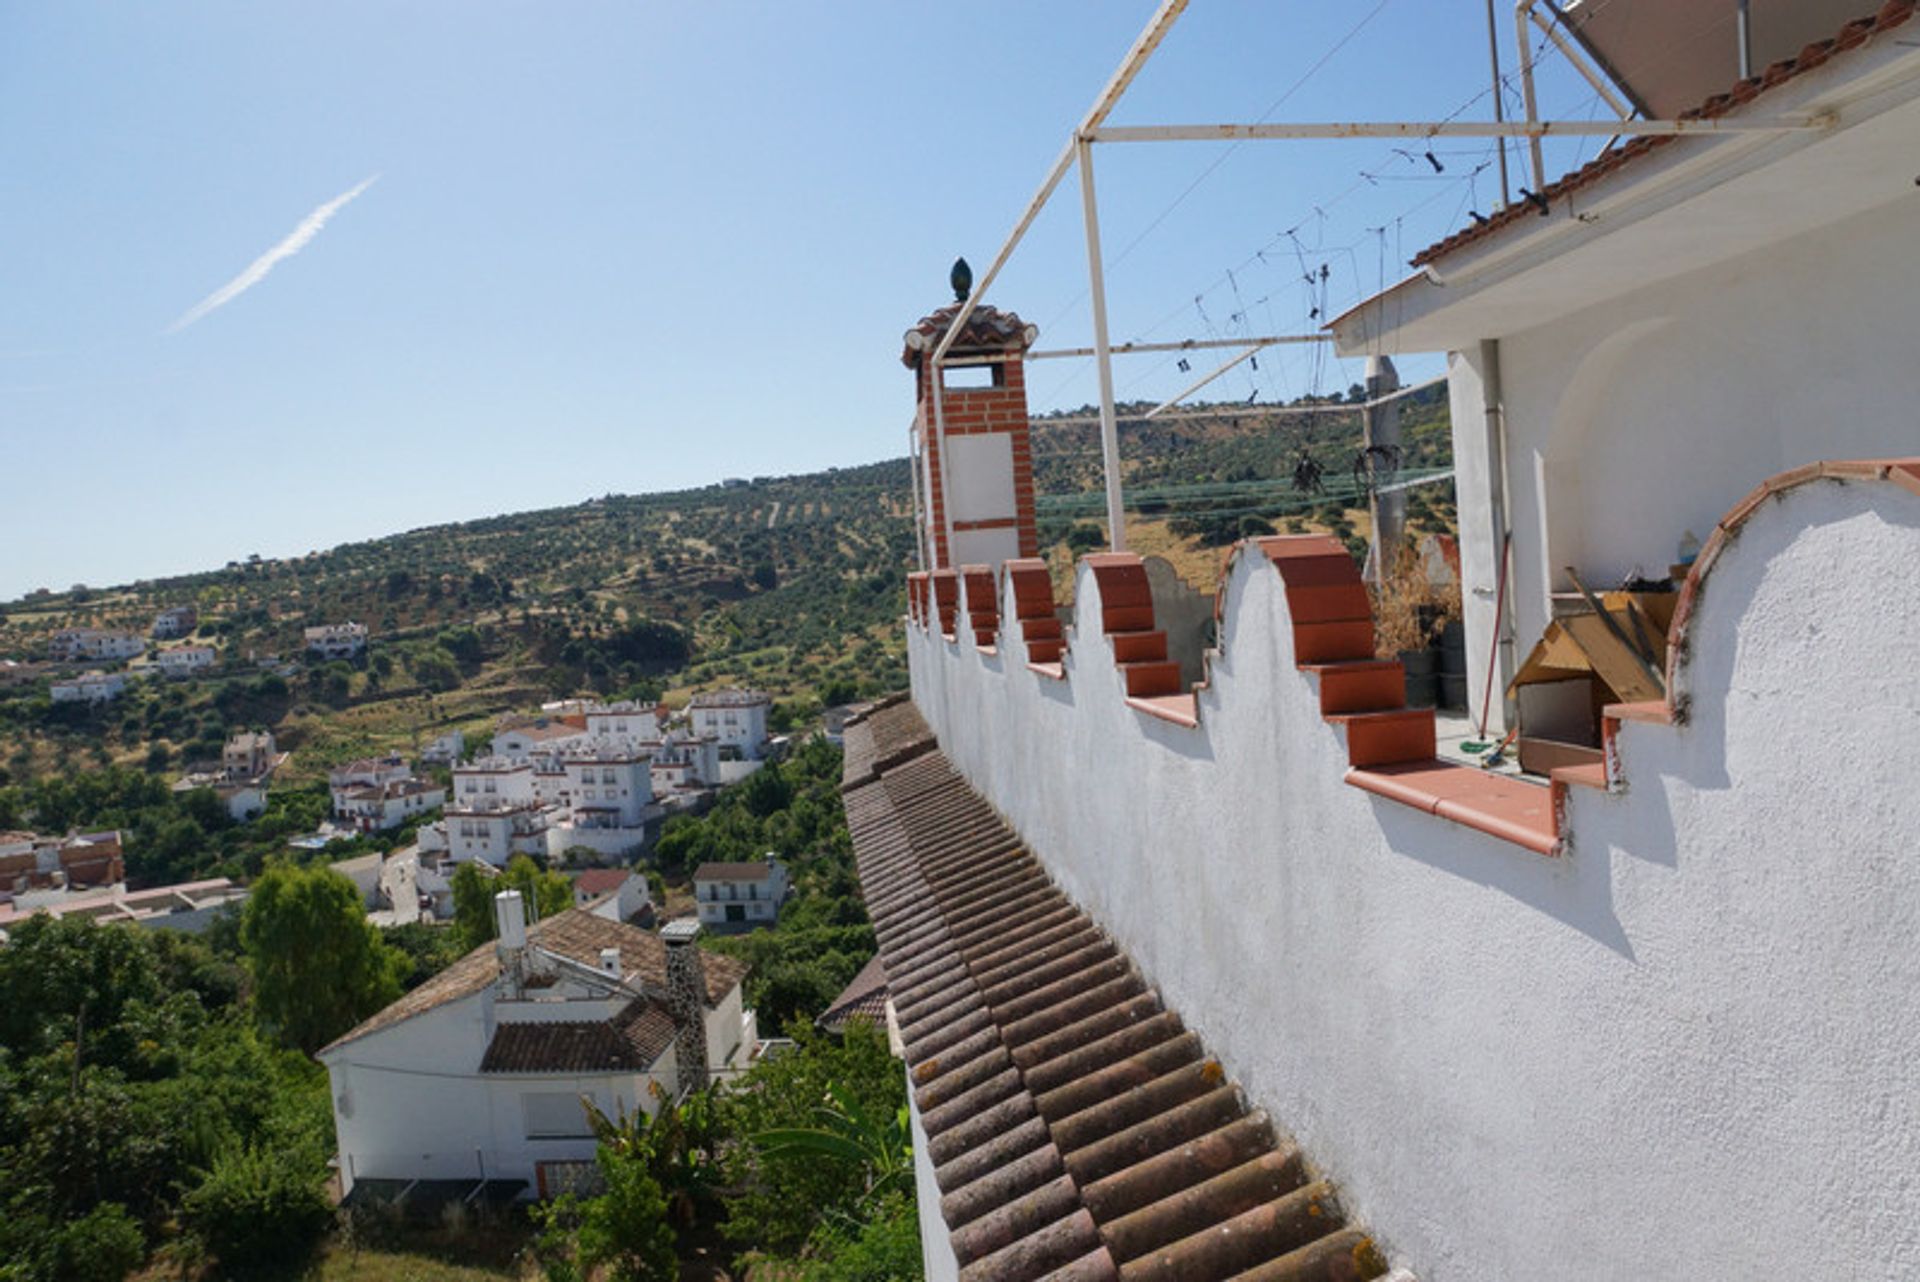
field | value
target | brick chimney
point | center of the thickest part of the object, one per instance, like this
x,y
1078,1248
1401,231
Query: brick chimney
x,y
975,467
687,1001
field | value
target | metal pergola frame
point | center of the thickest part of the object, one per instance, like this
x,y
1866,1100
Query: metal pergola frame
x,y
1092,129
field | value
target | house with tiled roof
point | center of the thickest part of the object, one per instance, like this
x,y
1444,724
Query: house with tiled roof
x,y
741,893
1240,975
864,997
478,1074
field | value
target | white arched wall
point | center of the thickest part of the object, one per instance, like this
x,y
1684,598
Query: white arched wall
x,y
1684,1047
1621,437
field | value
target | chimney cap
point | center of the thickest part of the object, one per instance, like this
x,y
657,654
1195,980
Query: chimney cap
x,y
988,329
961,278
680,932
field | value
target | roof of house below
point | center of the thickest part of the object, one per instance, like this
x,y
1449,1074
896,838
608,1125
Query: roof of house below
x,y
573,934
630,1042
759,870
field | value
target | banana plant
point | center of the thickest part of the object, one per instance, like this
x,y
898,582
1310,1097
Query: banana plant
x,y
881,1148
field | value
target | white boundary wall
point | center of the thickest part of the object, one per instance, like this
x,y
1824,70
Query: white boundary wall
x,y
1685,1048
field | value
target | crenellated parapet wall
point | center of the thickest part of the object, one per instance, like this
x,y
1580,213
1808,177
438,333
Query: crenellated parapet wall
x,y
1483,1044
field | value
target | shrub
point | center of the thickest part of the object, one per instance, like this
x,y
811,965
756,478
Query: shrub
x,y
259,1208
104,1245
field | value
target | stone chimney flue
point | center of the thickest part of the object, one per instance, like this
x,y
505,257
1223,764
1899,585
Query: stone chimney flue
x,y
687,1001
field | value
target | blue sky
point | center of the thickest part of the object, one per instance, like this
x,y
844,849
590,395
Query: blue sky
x,y
628,247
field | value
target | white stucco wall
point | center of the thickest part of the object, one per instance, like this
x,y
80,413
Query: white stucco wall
x,y
1684,1048
410,1103
936,1243
1635,420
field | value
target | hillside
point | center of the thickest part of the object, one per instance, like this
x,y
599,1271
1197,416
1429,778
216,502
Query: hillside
x,y
792,584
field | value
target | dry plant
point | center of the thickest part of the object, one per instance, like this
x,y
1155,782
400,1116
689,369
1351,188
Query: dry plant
x,y
1408,609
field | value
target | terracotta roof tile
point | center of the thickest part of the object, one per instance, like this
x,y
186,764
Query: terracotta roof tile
x,y
1853,34
575,934
987,329
631,1041
1076,1129
864,997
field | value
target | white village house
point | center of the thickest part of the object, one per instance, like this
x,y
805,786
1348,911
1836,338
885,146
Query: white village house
x,y
1268,980
737,718
336,640
618,894
478,1075
90,687
175,621
185,660
748,892
74,645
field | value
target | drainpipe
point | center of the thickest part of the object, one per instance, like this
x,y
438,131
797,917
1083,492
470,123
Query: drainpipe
x,y
1493,398
1744,33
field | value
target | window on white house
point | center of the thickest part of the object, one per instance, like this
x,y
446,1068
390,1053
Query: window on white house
x,y
555,1115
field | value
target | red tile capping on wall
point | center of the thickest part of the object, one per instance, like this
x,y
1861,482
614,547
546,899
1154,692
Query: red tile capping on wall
x,y
983,604
946,599
917,593
1390,747
1139,649
1033,608
1904,472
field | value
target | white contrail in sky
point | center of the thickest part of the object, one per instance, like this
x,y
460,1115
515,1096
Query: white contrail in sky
x,y
257,270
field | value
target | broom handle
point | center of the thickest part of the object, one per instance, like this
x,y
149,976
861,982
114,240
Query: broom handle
x,y
1493,651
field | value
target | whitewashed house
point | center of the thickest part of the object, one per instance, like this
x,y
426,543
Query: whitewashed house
x,y
494,829
541,735
487,780
185,660
609,787
477,1075
732,894
624,720
328,641
174,622
361,773
90,687
76,645
376,807
736,718
618,894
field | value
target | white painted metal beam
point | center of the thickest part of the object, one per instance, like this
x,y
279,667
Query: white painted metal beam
x,y
1102,358
1184,345
1103,105
1453,129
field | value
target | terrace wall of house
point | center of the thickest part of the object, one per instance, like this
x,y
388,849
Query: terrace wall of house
x,y
1636,420
1681,1024
938,1260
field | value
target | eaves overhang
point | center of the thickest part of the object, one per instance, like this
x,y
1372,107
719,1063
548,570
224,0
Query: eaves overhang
x,y
1699,201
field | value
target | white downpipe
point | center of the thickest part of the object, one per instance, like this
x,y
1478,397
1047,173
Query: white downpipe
x,y
1097,286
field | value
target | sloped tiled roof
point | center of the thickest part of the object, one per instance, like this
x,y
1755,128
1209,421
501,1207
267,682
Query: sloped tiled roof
x,y
987,329
599,881
1076,1129
758,870
864,997
631,1041
1853,34
575,934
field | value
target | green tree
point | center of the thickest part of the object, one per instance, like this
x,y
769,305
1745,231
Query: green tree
x,y
319,967
543,893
